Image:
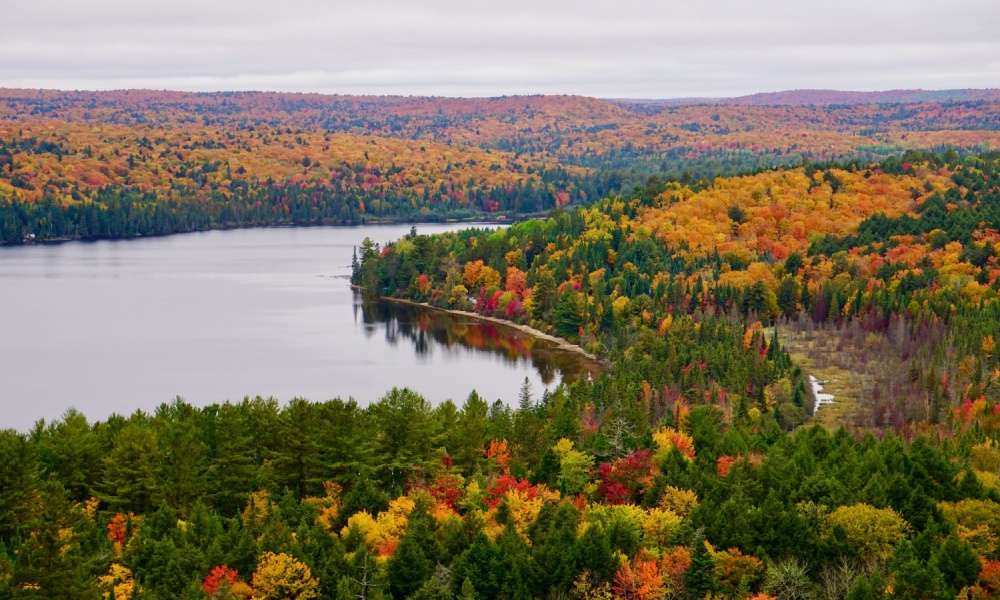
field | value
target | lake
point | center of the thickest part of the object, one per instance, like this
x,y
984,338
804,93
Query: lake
x,y
114,326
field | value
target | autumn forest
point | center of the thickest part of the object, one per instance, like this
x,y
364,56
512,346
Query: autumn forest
x,y
732,265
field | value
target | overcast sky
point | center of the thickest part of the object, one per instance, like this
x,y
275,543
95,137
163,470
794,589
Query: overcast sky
x,y
620,48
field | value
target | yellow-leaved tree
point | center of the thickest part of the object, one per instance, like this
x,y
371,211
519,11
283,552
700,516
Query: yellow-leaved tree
x,y
574,467
873,532
282,577
118,583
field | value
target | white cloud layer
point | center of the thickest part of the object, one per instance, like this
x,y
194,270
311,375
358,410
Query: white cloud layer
x,y
623,48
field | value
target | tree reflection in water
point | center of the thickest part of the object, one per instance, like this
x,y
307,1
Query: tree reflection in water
x,y
432,331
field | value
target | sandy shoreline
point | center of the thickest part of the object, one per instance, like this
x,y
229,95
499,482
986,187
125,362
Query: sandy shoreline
x,y
560,343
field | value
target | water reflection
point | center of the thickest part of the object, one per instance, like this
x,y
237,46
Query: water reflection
x,y
440,334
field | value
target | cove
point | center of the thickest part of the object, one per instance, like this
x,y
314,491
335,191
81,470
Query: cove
x,y
115,326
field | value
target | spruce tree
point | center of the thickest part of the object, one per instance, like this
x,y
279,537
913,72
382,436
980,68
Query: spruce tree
x,y
525,399
467,592
49,562
699,579
958,564
913,579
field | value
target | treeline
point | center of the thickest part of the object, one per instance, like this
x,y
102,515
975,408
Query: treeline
x,y
126,211
558,497
345,160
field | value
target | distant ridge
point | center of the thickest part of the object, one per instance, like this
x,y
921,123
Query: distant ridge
x,y
835,97
889,96
162,98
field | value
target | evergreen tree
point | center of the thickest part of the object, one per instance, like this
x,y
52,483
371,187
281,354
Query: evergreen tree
x,y
594,554
700,578
788,296
467,592
18,481
408,569
525,400
131,479
482,567
405,435
438,587
469,435
958,564
913,579
69,450
49,562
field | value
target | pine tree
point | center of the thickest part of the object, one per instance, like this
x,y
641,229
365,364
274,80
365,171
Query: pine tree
x,y
49,562
467,592
544,294
18,481
788,296
699,579
481,567
594,554
911,578
958,565
409,567
833,316
525,399
470,433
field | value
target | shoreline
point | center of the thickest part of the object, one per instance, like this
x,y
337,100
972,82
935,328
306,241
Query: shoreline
x,y
560,343
486,221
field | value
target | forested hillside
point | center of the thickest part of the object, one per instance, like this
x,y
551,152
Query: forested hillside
x,y
127,163
698,466
896,260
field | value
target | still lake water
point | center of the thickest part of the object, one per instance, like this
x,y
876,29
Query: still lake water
x,y
114,326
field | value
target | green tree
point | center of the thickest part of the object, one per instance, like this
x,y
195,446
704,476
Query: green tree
x,y
413,562
18,481
69,450
788,296
231,453
569,314
131,481
867,588
469,436
404,442
700,578
958,564
544,294
409,567
467,592
553,565
574,467
594,554
482,565
346,441
298,458
913,579
50,563
183,457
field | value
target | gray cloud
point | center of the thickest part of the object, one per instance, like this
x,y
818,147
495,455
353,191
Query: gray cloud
x,y
635,48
